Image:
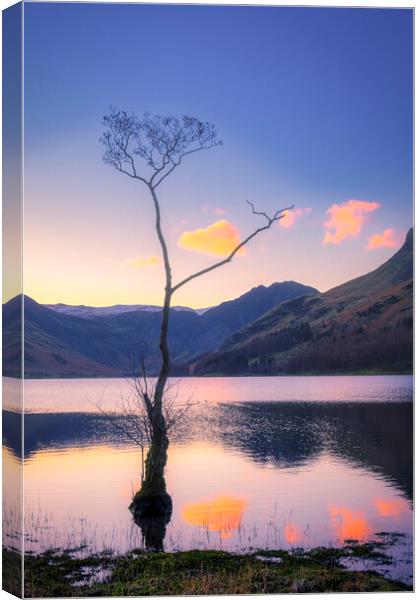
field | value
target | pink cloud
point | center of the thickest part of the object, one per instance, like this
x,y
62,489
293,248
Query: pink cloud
x,y
387,239
290,217
347,219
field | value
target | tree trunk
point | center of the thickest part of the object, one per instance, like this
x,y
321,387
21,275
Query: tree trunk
x,y
153,500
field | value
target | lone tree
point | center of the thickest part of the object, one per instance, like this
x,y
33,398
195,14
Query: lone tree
x,y
148,149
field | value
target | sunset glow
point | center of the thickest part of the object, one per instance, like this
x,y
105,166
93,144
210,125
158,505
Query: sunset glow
x,y
89,235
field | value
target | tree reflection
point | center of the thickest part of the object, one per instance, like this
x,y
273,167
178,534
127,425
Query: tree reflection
x,y
153,530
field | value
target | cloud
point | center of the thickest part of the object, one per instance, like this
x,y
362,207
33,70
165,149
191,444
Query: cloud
x,y
290,217
219,211
346,219
218,239
140,262
387,239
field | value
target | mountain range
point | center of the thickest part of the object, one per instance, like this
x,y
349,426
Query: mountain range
x,y
364,325
67,341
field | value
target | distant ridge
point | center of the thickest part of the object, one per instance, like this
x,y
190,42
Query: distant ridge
x,y
117,309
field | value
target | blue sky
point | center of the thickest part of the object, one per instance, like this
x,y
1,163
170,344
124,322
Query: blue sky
x,y
314,106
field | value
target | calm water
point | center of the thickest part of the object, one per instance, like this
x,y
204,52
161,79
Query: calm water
x,y
261,463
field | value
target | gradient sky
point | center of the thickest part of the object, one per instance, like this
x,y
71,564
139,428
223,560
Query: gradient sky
x,y
314,106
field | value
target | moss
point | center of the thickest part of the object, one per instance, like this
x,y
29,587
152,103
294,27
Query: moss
x,y
195,572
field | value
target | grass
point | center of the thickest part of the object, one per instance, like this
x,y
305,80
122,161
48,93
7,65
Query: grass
x,y
140,573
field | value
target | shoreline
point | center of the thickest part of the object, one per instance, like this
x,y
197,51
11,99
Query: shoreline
x,y
64,573
214,376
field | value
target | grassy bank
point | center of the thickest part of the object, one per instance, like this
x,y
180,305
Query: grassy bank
x,y
55,574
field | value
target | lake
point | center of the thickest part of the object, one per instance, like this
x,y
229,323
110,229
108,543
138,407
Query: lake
x,y
260,462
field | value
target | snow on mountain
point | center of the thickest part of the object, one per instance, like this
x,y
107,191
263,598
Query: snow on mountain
x,y
106,311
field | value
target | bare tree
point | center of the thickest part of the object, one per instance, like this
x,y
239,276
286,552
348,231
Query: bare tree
x,y
129,418
148,149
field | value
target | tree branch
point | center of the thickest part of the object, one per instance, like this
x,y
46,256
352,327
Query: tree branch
x,y
279,214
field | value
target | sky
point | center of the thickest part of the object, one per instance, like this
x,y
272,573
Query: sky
x,y
314,107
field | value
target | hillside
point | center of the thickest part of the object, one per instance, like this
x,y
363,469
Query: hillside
x,y
362,325
59,342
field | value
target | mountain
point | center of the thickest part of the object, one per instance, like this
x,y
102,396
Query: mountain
x,y
117,309
63,341
362,325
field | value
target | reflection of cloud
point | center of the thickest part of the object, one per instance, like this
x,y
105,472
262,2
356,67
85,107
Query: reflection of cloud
x,y
387,239
223,514
346,219
291,534
140,262
391,508
218,239
350,524
290,217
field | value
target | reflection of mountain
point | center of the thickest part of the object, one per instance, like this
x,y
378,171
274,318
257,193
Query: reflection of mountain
x,y
364,324
61,342
377,436
55,430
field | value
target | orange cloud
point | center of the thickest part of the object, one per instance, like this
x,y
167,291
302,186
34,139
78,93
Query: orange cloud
x,y
140,262
391,508
223,514
387,239
350,524
290,216
346,219
218,239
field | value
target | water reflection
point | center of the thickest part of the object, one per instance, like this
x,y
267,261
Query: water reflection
x,y
222,514
391,508
350,524
377,436
153,531
241,475
292,534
